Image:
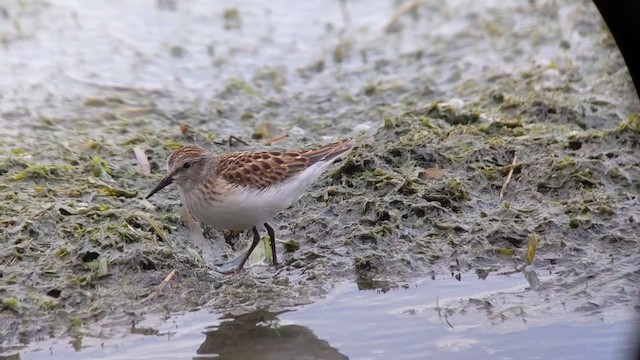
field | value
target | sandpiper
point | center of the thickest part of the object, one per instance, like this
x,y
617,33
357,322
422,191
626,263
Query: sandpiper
x,y
242,190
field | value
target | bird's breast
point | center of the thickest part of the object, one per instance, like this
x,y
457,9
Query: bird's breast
x,y
238,208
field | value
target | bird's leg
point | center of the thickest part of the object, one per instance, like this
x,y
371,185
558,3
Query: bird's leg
x,y
237,264
272,236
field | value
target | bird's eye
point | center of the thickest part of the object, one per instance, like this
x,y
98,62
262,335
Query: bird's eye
x,y
186,165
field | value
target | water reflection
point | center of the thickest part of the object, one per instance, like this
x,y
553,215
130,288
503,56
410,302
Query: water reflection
x,y
258,335
380,286
450,316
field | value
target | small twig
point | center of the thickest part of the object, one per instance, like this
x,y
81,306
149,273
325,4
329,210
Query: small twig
x,y
439,309
508,179
159,288
446,318
276,139
184,129
116,87
532,247
187,131
405,8
233,138
143,161
154,225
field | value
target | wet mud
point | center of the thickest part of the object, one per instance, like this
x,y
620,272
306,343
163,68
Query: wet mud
x,y
477,131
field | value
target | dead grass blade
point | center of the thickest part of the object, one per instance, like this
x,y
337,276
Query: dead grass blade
x,y
508,179
159,288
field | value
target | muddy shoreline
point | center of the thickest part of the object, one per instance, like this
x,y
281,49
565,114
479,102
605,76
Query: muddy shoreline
x,y
436,131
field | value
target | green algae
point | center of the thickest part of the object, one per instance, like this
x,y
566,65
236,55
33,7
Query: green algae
x,y
235,85
632,123
109,191
100,168
10,304
379,213
43,171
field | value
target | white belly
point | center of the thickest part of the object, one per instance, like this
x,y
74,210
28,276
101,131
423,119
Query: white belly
x,y
242,208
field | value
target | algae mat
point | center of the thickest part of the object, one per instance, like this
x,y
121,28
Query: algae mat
x,y
479,128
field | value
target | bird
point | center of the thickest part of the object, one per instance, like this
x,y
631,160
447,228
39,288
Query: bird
x,y
243,190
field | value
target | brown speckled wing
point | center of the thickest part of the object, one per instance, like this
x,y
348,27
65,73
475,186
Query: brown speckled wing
x,y
260,170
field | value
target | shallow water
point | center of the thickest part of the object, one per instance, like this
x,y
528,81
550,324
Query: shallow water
x,y
408,322
192,61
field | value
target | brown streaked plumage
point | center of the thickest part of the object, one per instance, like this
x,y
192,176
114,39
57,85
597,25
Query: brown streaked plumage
x,y
260,170
245,189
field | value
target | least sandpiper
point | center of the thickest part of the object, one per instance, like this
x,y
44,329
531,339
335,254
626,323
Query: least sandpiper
x,y
243,190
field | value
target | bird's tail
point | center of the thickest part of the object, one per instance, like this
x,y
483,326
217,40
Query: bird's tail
x,y
328,152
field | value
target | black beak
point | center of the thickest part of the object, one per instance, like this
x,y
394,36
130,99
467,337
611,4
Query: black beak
x,y
161,185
